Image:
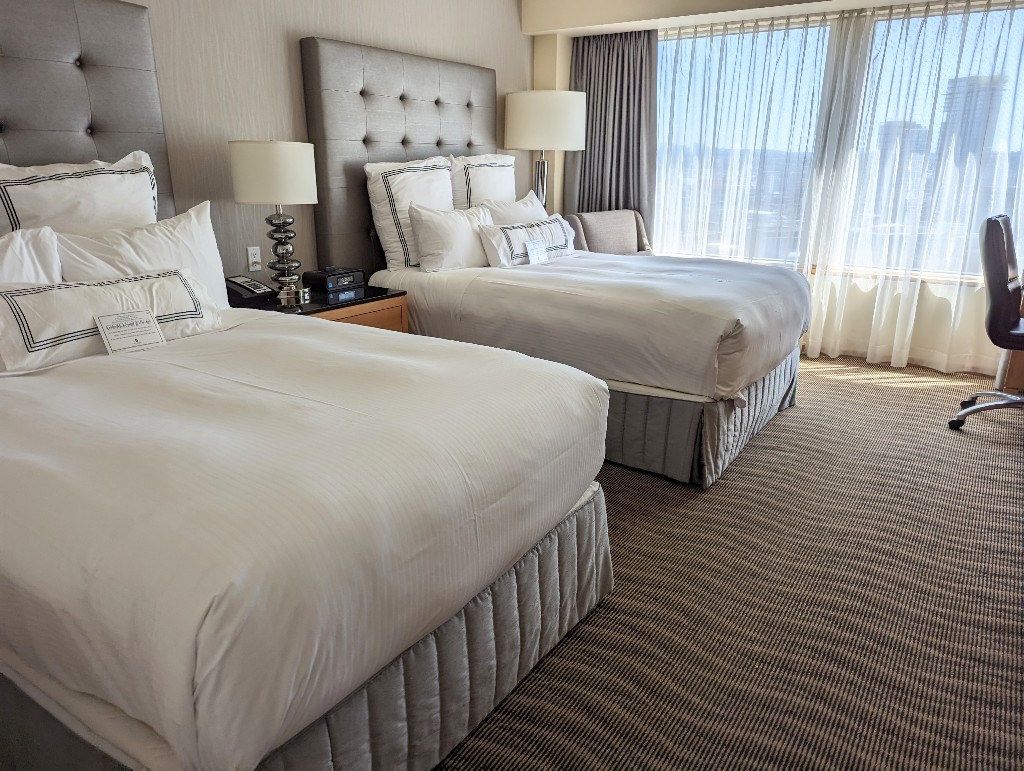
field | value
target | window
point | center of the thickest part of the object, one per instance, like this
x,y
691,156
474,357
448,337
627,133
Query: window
x,y
866,141
737,116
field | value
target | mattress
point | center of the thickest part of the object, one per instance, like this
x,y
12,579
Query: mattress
x,y
704,327
223,537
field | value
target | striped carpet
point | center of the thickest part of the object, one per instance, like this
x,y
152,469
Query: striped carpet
x,y
848,595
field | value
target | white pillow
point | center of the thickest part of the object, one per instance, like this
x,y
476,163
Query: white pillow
x,y
79,198
393,187
186,241
45,325
506,244
448,240
477,178
29,257
526,209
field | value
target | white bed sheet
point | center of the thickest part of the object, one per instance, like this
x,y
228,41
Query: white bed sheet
x,y
703,327
224,536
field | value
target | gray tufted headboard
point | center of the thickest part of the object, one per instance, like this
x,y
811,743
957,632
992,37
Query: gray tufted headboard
x,y
366,105
78,83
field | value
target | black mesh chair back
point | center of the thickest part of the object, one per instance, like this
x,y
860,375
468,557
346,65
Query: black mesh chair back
x,y
1003,322
1002,282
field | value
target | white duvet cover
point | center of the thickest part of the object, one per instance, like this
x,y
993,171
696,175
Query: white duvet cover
x,y
699,326
224,536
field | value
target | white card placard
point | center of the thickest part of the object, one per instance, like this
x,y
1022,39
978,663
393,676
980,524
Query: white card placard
x,y
129,331
537,251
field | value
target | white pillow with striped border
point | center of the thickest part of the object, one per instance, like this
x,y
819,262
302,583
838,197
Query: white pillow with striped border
x,y
505,245
50,324
79,197
392,188
477,178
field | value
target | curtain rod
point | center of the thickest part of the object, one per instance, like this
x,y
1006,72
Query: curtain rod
x,y
810,20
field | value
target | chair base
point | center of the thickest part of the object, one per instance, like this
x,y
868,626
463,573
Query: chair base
x,y
970,405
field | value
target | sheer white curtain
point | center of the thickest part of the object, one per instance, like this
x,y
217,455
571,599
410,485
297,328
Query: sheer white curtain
x,y
737,119
917,118
921,146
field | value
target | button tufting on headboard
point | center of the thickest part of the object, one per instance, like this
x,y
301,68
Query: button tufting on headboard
x,y
53,103
368,104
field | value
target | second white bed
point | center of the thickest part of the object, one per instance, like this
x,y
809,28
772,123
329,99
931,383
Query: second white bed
x,y
701,328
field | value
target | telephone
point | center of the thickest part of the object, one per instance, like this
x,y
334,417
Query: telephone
x,y
245,292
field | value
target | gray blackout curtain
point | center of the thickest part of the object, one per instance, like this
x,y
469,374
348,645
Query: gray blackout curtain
x,y
619,74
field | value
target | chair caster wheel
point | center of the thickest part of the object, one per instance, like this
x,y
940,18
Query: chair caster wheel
x,y
956,424
968,403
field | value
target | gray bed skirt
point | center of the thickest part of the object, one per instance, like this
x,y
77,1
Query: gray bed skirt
x,y
414,711
694,441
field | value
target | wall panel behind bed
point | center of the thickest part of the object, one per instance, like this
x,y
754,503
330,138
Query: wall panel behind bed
x,y
230,69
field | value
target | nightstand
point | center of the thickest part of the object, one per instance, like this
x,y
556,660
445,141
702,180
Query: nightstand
x,y
378,307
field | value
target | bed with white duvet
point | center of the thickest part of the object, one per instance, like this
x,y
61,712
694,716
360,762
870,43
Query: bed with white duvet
x,y
701,328
698,354
206,545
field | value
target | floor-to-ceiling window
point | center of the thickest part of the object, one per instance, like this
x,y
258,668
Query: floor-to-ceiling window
x,y
864,148
737,118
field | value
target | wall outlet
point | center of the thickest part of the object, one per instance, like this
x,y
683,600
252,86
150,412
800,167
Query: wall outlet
x,y
255,261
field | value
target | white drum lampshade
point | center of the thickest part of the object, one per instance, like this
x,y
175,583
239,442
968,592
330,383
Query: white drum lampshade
x,y
545,120
273,174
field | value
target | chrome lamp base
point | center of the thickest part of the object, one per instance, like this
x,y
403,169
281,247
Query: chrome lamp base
x,y
540,178
284,264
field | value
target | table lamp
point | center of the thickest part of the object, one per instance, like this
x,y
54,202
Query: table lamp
x,y
545,120
276,174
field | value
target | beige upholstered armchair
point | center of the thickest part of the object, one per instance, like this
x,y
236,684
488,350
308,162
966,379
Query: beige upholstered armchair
x,y
610,232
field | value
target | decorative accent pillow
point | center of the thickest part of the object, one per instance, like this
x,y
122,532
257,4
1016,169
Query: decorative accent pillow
x,y
79,198
393,187
506,244
49,324
29,257
477,178
448,240
186,241
526,209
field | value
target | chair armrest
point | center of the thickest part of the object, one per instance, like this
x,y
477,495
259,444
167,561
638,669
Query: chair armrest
x,y
641,234
577,226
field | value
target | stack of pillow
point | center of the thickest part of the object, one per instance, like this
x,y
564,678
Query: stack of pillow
x,y
82,240
449,213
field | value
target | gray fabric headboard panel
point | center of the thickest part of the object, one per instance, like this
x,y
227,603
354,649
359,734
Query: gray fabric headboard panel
x,y
366,105
78,83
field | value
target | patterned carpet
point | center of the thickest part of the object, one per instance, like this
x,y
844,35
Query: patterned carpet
x,y
848,595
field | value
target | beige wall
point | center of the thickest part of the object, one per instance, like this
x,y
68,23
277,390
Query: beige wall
x,y
230,69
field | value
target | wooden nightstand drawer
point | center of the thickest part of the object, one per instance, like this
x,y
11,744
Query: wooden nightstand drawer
x,y
382,314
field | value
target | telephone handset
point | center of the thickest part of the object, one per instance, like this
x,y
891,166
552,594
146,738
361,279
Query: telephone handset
x,y
244,292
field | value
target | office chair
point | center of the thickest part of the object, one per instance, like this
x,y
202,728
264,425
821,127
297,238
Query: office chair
x,y
1003,321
